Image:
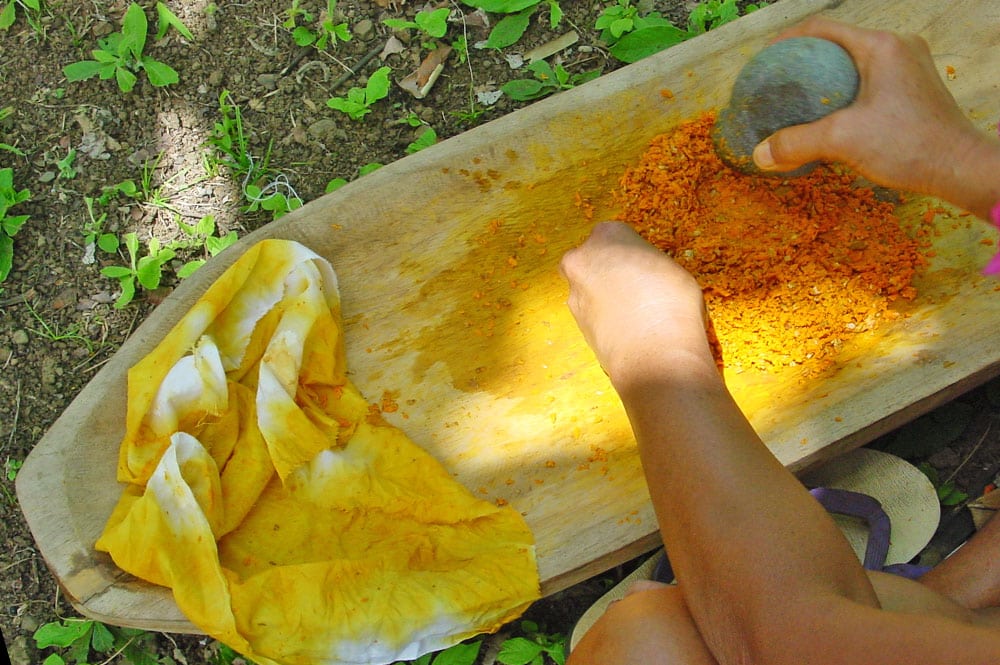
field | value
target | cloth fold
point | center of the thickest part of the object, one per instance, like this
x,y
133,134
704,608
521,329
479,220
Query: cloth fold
x,y
290,521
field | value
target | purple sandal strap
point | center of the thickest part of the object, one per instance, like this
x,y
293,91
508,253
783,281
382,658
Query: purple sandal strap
x,y
856,504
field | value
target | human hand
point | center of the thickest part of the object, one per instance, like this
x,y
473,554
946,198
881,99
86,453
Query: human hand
x,y
904,129
636,307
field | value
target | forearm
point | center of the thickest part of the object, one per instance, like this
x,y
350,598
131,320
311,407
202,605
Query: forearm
x,y
740,530
971,180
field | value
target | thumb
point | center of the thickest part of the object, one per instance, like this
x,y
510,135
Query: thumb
x,y
789,148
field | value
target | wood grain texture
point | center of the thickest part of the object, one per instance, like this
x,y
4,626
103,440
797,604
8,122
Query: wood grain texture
x,y
447,262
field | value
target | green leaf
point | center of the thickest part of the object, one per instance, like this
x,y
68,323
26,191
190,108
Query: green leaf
x,y
101,639
116,272
53,659
134,29
6,256
334,185
7,16
620,26
61,634
190,268
149,272
166,19
518,651
425,140
642,43
378,85
13,224
215,245
459,654
524,90
32,4
132,245
128,293
108,242
399,24
159,74
126,79
501,6
949,495
434,23
510,29
303,36
368,168
82,70
555,14
353,109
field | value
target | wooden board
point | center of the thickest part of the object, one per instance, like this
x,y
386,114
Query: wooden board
x,y
447,263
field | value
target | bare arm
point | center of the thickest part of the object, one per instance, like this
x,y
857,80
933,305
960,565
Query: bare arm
x,y
904,130
765,572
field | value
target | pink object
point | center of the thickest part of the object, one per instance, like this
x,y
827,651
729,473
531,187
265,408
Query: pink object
x,y
993,267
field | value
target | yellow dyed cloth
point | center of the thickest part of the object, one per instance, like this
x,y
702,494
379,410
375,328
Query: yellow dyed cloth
x,y
291,523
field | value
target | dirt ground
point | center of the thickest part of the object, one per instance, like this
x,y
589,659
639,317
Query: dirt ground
x,y
67,141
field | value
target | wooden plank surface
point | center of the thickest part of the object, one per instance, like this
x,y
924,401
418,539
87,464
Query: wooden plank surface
x,y
447,262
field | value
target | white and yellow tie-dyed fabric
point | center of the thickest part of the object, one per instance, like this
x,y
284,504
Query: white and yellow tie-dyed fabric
x,y
291,523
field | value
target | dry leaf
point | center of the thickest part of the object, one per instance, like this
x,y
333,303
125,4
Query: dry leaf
x,y
420,82
552,47
392,46
984,507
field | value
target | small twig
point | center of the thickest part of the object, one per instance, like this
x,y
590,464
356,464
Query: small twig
x,y
17,413
121,649
971,453
368,57
16,563
13,300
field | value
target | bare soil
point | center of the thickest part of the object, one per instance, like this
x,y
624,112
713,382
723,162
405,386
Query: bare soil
x,y
58,323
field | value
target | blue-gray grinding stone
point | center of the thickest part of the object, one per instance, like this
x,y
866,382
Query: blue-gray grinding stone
x,y
791,82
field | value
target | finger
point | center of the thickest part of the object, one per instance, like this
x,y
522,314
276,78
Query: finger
x,y
791,147
859,42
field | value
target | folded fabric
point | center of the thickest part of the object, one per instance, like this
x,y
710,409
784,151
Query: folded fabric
x,y
290,521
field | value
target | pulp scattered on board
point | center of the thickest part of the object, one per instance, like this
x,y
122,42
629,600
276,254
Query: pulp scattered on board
x,y
791,268
291,523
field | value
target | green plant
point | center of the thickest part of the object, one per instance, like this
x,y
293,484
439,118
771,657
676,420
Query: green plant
x,y
711,14
9,224
120,55
533,648
461,48
125,187
948,494
632,36
619,19
65,165
94,236
166,19
31,9
277,197
54,333
229,138
426,139
512,27
359,101
146,271
11,467
329,33
202,235
79,637
463,653
547,80
433,23
337,183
